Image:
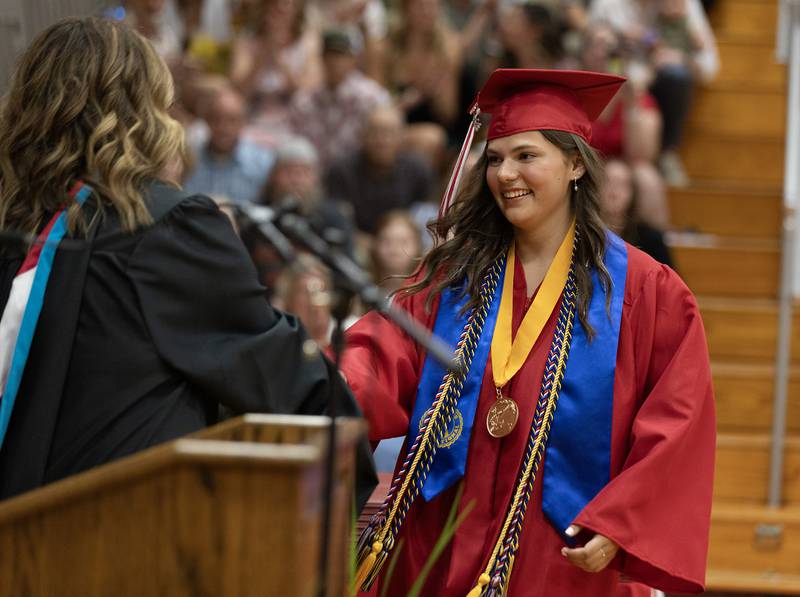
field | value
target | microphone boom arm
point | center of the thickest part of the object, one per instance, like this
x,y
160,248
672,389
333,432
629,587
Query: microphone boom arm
x,y
352,277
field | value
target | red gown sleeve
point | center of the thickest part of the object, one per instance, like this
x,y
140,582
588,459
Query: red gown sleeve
x,y
383,364
657,505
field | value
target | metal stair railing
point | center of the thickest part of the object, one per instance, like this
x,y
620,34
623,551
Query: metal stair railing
x,y
788,51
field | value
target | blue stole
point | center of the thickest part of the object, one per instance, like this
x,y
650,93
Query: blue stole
x,y
33,308
577,463
578,456
451,455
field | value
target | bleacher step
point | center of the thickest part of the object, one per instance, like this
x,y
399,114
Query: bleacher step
x,y
739,110
742,469
744,330
744,394
754,548
734,583
727,211
754,159
744,61
719,266
750,19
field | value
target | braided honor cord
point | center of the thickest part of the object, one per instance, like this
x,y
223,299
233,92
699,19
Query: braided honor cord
x,y
377,540
494,580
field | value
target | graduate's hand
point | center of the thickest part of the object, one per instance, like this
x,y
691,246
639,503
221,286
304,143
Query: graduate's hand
x,y
595,555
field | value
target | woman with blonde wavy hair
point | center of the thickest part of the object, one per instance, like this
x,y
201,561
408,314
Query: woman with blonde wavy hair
x,y
135,313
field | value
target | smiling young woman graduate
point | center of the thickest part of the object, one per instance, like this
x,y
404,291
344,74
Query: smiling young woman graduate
x,y
582,434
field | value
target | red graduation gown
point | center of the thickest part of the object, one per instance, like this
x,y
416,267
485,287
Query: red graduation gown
x,y
657,504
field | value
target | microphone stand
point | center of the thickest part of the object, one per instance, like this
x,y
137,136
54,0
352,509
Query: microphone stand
x,y
349,280
340,308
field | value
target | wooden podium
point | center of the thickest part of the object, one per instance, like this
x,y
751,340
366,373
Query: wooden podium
x,y
236,509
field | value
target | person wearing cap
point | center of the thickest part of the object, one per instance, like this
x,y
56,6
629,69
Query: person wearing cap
x,y
334,113
575,445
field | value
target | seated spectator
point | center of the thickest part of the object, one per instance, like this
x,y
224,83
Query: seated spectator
x,y
194,95
618,198
149,18
472,21
295,183
396,251
630,127
380,176
676,71
204,27
333,114
360,17
395,255
422,71
228,166
270,64
673,30
305,290
530,36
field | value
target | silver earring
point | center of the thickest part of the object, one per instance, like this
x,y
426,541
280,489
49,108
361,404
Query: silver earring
x,y
575,184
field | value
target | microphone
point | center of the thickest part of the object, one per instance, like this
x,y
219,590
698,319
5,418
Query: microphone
x,y
263,218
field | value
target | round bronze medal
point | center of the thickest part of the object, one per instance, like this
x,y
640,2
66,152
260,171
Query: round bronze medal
x,y
502,417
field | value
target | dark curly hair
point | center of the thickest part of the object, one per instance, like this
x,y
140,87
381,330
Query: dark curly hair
x,y
474,232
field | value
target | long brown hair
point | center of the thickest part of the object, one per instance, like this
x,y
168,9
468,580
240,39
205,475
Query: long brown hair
x,y
89,100
474,232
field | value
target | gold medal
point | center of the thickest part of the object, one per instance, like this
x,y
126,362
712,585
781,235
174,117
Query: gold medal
x,y
508,351
502,417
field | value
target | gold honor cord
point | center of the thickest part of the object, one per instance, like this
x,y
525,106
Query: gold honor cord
x,y
529,474
368,564
507,356
378,538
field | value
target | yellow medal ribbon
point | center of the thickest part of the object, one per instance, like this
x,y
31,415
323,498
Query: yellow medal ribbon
x,y
507,356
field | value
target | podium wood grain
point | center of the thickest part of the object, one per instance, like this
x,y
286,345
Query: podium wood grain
x,y
216,514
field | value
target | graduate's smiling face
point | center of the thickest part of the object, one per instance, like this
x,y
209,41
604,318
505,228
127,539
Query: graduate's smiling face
x,y
530,179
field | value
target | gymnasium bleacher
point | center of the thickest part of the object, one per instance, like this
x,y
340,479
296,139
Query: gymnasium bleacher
x,y
731,256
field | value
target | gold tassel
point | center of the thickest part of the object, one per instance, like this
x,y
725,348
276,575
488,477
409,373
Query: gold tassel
x,y
366,566
483,580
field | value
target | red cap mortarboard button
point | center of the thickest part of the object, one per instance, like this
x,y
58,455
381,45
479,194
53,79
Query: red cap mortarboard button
x,y
522,100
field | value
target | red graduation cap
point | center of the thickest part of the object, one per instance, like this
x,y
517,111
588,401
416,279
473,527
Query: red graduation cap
x,y
522,100
537,99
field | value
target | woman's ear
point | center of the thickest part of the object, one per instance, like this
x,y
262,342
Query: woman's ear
x,y
578,168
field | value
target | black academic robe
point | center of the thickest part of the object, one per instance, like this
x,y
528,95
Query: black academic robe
x,y
143,336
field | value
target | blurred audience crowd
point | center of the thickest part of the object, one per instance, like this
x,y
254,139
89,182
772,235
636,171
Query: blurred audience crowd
x,y
352,111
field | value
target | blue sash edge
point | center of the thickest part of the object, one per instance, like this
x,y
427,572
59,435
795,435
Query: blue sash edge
x,y
33,309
